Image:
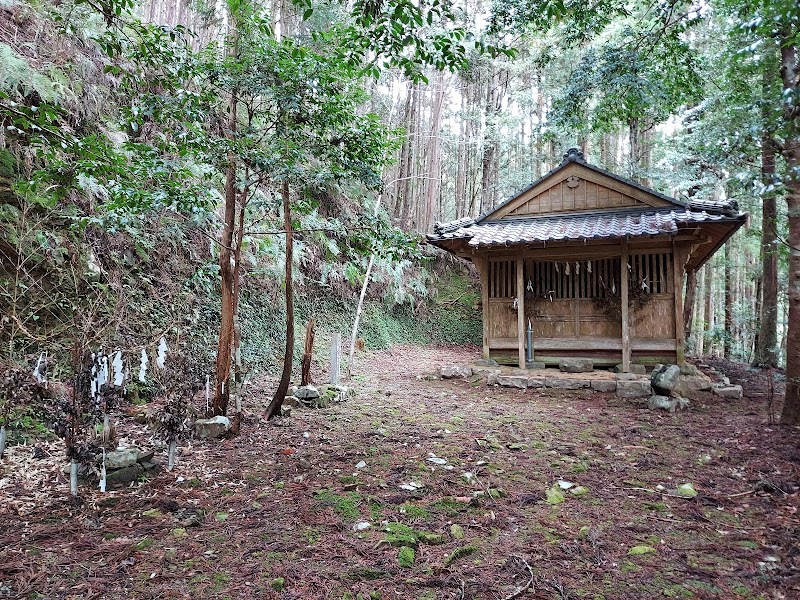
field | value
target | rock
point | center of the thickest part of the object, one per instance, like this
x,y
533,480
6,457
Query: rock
x,y
627,376
292,389
362,526
604,385
307,392
125,475
576,365
689,385
150,465
635,388
566,383
491,378
146,455
486,362
534,365
536,382
667,403
665,379
291,401
456,372
731,392
516,381
685,490
121,458
579,491
285,410
687,369
212,428
635,368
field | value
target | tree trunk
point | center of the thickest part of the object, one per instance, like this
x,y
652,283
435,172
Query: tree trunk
x,y
308,354
728,336
288,355
700,321
767,347
688,305
227,260
433,179
709,306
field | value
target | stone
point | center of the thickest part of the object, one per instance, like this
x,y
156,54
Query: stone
x,y
566,383
150,465
306,392
687,369
536,382
635,368
604,385
516,381
212,428
125,475
486,362
731,392
291,401
534,365
146,455
455,371
665,379
121,458
576,365
667,403
636,388
491,378
689,385
285,411
627,376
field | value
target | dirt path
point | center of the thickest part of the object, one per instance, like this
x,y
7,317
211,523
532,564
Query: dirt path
x,y
271,513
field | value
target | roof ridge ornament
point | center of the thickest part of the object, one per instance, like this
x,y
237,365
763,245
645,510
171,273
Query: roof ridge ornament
x,y
573,154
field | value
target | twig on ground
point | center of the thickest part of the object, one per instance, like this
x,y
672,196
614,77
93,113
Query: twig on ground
x,y
522,589
740,494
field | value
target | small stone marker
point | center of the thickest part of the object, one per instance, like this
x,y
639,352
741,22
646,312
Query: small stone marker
x,y
636,388
456,372
212,428
731,392
576,365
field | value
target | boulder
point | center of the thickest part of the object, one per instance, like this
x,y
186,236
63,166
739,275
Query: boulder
x,y
456,372
285,410
635,368
688,369
121,458
665,379
125,475
689,385
566,383
492,378
731,392
667,403
212,428
291,401
145,455
516,381
604,385
634,388
576,365
306,392
536,382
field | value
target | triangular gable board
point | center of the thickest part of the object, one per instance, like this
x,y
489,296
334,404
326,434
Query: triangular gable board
x,y
576,188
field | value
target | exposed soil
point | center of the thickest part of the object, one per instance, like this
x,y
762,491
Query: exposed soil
x,y
281,500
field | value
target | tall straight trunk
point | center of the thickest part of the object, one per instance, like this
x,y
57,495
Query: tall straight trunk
x,y
700,321
227,267
433,180
537,168
688,304
709,306
407,207
767,347
288,355
461,160
403,174
727,338
633,140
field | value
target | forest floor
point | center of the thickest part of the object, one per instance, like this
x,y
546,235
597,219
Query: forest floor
x,y
275,511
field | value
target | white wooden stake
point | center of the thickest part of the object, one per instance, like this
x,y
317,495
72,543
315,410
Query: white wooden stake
x,y
208,391
336,358
103,473
2,440
171,455
73,477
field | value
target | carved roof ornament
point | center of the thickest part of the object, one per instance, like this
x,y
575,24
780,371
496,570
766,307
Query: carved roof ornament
x,y
572,181
573,154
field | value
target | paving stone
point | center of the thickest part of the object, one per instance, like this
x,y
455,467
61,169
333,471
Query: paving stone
x,y
635,388
576,365
604,385
566,383
515,381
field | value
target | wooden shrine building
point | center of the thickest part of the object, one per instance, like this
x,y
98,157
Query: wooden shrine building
x,y
587,264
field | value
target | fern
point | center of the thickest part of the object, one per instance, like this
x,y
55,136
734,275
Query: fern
x,y
16,75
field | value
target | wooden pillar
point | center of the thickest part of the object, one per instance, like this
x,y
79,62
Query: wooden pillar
x,y
482,263
521,310
623,285
679,256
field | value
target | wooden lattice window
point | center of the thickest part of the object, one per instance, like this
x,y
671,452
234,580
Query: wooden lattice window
x,y
502,278
651,272
572,279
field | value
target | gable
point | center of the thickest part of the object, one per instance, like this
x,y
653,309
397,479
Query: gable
x,y
577,188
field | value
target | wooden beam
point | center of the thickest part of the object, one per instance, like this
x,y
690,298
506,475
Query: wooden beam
x,y
521,310
679,258
482,263
623,284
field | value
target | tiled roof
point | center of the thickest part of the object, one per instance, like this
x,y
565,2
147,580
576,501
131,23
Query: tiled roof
x,y
583,226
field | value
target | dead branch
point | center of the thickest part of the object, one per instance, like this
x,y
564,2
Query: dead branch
x,y
522,589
